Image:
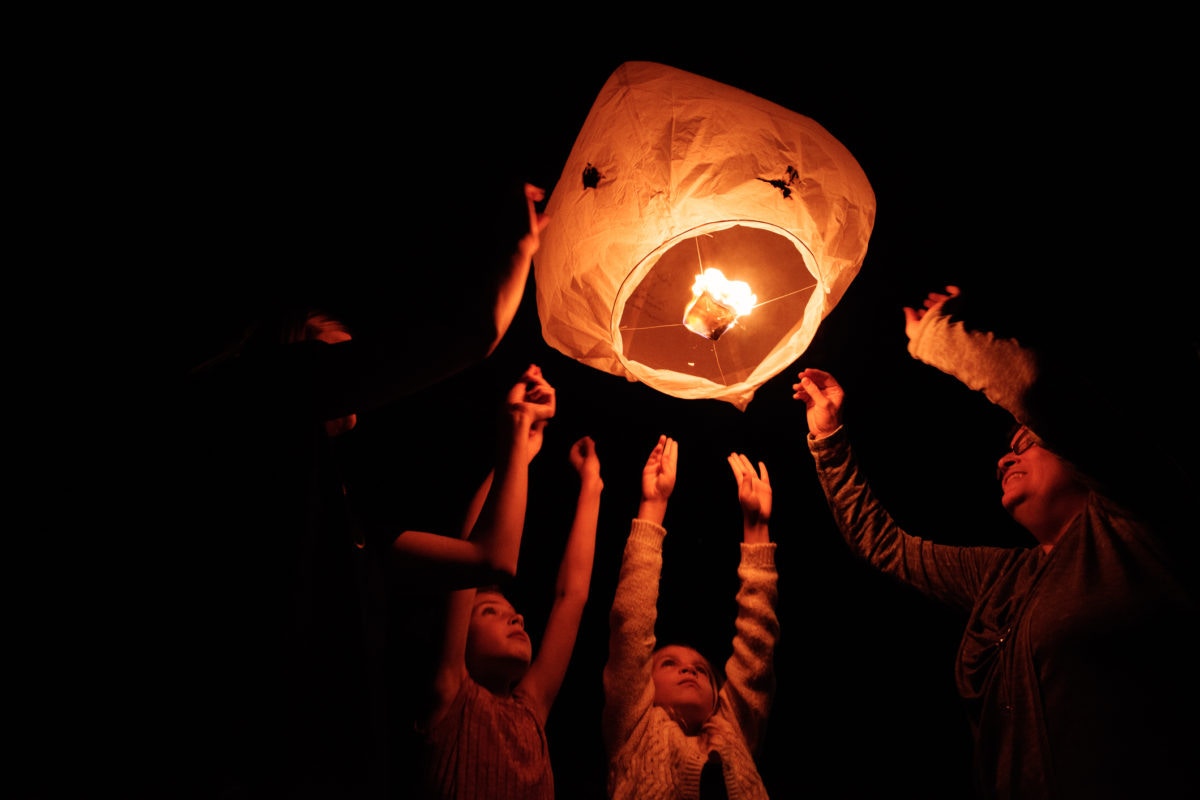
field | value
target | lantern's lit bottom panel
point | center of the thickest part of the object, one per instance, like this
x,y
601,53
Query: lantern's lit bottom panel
x,y
659,294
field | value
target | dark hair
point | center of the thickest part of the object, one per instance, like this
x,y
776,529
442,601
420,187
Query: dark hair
x,y
279,323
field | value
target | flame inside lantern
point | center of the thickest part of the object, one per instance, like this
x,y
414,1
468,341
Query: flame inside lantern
x,y
717,302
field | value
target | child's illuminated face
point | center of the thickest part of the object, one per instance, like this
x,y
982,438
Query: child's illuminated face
x,y
685,684
497,630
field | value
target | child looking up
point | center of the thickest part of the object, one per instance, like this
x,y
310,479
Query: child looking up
x,y
670,724
484,731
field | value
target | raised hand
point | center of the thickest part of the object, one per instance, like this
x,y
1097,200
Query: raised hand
x,y
532,395
754,489
658,476
531,241
823,397
913,316
585,460
530,403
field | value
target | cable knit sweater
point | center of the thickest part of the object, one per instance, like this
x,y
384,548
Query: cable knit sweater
x,y
650,757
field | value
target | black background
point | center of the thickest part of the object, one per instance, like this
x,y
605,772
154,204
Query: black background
x,y
1044,171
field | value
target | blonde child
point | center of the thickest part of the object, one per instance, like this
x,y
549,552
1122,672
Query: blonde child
x,y
670,724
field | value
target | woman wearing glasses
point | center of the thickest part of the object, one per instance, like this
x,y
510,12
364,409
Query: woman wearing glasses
x,y
1074,663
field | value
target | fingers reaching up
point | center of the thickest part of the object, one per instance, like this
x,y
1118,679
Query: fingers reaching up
x,y
913,316
754,488
531,241
658,476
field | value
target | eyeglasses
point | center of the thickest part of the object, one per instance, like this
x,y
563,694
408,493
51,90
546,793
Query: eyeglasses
x,y
1025,440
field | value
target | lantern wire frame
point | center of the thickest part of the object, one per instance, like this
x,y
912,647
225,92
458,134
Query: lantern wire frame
x,y
647,323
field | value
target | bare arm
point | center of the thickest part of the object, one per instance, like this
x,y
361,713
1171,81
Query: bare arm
x,y
546,674
494,521
512,283
465,324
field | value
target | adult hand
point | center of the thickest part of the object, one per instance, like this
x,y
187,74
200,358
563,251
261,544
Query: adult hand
x,y
823,397
913,316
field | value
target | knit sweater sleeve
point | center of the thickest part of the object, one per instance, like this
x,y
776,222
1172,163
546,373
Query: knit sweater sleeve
x,y
1001,368
947,573
1073,412
749,687
628,688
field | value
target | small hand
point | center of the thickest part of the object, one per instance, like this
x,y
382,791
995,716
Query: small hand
x,y
533,395
754,489
531,241
584,459
658,476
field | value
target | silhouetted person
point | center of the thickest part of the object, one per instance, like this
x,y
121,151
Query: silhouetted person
x,y
278,594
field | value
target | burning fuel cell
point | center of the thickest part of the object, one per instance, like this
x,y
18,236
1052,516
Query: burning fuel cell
x,y
717,303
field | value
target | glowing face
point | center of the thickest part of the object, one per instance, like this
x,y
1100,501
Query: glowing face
x,y
1029,471
685,684
497,630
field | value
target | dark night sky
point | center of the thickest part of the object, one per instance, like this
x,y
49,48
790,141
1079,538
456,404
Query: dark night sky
x,y
1023,177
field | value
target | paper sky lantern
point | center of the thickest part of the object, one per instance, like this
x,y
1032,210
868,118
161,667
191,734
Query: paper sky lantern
x,y
698,235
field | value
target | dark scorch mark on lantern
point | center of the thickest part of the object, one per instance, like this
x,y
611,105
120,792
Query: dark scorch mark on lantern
x,y
784,185
591,177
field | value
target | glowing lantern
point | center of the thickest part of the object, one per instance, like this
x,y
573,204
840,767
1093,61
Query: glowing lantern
x,y
699,234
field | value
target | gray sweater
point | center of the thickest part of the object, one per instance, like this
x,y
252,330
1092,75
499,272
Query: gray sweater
x,y
1074,665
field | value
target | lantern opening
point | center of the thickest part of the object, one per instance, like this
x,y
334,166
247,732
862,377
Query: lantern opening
x,y
655,336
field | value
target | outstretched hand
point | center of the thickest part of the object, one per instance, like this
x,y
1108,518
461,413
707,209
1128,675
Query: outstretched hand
x,y
658,476
532,399
913,316
531,241
754,489
823,397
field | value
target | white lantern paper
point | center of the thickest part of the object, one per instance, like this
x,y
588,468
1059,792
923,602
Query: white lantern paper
x,y
672,174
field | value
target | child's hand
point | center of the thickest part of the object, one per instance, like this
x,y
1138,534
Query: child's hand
x,y
533,396
585,460
754,489
658,476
